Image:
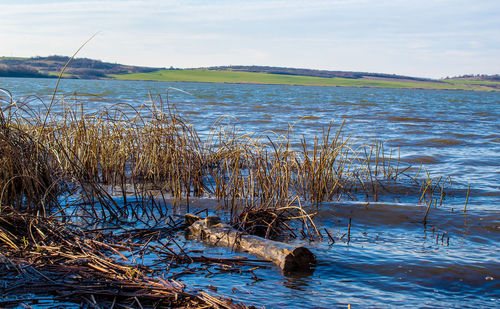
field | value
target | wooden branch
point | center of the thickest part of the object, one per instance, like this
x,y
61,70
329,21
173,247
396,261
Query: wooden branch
x,y
213,231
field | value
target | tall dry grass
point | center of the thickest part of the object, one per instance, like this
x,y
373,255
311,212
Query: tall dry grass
x,y
29,180
154,149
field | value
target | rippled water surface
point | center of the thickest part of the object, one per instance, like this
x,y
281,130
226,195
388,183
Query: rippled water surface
x,y
392,259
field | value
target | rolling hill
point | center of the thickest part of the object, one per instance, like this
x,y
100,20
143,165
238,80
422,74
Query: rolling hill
x,y
84,68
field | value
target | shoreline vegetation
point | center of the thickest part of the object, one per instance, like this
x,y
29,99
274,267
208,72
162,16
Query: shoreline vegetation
x,y
83,68
84,194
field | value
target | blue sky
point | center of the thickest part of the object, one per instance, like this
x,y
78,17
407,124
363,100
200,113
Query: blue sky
x,y
419,38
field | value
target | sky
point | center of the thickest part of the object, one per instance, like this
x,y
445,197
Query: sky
x,y
424,38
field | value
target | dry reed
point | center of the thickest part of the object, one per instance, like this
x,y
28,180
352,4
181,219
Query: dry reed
x,y
40,255
65,163
154,149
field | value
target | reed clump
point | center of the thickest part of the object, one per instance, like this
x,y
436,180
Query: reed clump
x,y
265,223
28,179
154,149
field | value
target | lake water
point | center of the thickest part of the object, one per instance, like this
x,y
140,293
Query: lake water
x,y
392,259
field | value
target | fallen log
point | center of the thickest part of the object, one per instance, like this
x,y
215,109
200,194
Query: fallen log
x,y
213,231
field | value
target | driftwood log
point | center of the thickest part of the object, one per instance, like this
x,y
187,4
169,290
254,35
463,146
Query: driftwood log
x,y
213,231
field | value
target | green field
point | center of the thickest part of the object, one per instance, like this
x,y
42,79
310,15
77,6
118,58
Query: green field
x,y
12,58
95,69
202,75
472,82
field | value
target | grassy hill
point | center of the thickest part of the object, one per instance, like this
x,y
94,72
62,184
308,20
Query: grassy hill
x,y
51,67
46,67
219,76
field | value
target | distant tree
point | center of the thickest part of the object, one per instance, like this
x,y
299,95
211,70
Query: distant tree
x,y
20,71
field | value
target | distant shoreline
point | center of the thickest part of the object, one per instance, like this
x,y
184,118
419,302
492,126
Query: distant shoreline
x,y
83,68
